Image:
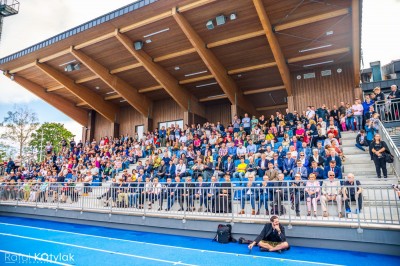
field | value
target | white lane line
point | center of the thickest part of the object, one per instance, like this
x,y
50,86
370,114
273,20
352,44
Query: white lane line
x,y
161,245
96,249
28,256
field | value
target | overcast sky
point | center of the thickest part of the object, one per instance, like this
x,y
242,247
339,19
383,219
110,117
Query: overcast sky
x,y
41,19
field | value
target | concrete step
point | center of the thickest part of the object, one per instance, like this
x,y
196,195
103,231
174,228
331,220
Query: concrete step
x,y
346,135
357,159
352,150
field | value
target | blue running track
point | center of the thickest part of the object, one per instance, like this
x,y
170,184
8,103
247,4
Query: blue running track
x,y
27,241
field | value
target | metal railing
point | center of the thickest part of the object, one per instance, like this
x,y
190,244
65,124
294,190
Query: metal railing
x,y
388,110
392,148
291,200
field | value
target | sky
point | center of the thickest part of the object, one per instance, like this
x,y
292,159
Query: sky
x,y
41,19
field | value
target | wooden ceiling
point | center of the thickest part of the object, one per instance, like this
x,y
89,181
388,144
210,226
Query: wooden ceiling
x,y
240,46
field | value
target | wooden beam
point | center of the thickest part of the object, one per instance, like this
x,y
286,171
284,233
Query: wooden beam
x,y
149,89
95,40
274,44
238,38
274,107
219,72
312,19
251,68
174,55
276,88
54,56
94,100
249,92
183,97
355,16
57,101
138,101
194,5
213,98
192,80
55,88
125,68
18,69
318,55
81,104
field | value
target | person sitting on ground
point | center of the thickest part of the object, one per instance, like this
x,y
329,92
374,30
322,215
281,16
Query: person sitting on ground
x,y
361,140
272,237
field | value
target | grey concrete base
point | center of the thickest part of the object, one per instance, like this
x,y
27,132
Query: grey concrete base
x,y
369,240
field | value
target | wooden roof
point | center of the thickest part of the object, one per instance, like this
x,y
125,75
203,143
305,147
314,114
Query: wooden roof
x,y
243,60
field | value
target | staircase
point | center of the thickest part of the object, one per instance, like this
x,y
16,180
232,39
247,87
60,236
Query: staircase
x,y
359,162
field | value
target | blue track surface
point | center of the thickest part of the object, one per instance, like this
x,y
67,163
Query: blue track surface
x,y
91,245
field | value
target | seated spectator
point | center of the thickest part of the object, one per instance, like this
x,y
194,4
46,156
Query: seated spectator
x,y
251,168
229,167
288,164
334,168
271,173
262,165
240,169
331,139
300,169
297,193
272,237
249,193
277,162
352,191
180,169
317,158
316,170
312,194
263,195
333,156
197,168
331,190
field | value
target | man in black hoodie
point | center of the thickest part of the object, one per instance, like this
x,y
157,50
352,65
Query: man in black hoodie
x,y
272,237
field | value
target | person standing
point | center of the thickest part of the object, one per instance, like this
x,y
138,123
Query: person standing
x,y
394,109
378,149
272,237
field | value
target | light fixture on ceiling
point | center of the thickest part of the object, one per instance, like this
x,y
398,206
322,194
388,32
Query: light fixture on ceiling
x,y
111,92
72,67
233,16
221,20
69,62
156,32
97,88
12,77
147,41
122,101
329,32
315,48
210,24
239,75
216,96
207,84
320,63
138,45
196,73
177,68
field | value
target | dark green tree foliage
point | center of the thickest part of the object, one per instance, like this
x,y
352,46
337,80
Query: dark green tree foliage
x,y
53,133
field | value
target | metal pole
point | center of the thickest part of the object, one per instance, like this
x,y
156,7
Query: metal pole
x,y
41,146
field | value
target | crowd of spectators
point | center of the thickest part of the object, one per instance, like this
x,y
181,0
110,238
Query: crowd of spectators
x,y
257,154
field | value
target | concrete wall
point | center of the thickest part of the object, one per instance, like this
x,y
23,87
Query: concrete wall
x,y
369,240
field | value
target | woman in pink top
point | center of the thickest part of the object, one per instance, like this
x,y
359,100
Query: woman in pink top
x,y
358,110
300,133
312,193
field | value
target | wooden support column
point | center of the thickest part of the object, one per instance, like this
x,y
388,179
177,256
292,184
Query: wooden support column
x,y
108,110
91,126
182,96
290,103
219,72
148,124
58,102
115,129
138,101
356,18
275,47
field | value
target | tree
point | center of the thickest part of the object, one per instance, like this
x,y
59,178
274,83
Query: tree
x,y
19,125
50,132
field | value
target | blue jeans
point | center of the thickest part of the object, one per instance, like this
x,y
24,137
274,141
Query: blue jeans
x,y
263,201
250,198
358,119
350,123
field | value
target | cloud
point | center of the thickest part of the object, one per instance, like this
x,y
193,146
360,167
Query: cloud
x,y
11,92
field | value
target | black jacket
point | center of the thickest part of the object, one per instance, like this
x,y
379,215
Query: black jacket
x,y
266,232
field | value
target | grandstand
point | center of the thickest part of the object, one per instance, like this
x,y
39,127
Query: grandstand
x,y
200,85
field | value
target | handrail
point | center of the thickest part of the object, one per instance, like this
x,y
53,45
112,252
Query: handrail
x,y
378,203
388,110
392,148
